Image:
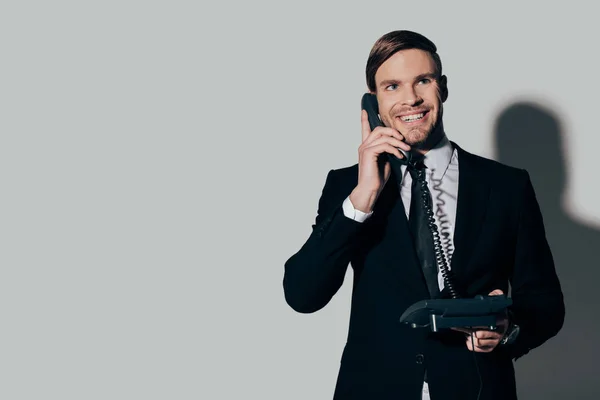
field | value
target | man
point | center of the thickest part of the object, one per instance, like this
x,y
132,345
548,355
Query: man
x,y
490,226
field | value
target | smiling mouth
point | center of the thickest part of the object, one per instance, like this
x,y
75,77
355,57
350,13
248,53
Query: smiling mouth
x,y
413,117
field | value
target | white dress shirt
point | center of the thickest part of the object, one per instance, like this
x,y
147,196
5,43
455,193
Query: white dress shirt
x,y
442,180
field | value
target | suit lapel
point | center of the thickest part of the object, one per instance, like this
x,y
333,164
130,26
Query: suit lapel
x,y
473,195
405,266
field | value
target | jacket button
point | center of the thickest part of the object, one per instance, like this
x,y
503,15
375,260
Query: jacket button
x,y
420,358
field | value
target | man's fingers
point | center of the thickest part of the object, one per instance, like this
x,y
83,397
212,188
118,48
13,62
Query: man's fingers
x,y
387,139
496,292
483,341
365,127
384,147
479,348
385,132
481,345
487,335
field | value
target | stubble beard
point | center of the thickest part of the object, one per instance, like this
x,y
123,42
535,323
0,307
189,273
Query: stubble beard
x,y
417,137
425,138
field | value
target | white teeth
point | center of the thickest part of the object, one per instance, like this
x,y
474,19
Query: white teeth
x,y
410,118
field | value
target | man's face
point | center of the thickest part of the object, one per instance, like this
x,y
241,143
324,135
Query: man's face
x,y
409,95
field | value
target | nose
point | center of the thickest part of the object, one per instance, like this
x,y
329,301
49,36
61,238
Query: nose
x,y
410,97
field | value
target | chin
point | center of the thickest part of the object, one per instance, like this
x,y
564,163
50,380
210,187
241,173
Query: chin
x,y
416,137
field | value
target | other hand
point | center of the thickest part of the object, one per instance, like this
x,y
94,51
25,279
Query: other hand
x,y
483,340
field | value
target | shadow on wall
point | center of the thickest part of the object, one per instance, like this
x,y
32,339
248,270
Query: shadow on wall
x,y
530,136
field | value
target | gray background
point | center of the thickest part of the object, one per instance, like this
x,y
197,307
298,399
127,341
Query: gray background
x,y
161,160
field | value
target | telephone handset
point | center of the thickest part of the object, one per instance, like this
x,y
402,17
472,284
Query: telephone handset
x,y
369,103
439,313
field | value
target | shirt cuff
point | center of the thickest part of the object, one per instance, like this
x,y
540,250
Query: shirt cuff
x,y
352,213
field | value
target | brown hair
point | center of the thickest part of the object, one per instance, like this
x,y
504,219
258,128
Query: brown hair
x,y
392,42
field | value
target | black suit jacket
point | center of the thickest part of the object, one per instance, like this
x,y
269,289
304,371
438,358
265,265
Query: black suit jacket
x,y
499,238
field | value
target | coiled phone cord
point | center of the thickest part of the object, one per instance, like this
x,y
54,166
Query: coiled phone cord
x,y
439,253
442,218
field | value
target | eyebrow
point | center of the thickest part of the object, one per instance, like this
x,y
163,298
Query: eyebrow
x,y
429,75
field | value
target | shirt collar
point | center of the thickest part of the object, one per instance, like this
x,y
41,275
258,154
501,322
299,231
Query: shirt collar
x,y
438,158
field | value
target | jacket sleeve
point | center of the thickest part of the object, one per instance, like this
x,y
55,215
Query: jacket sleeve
x,y
538,305
315,273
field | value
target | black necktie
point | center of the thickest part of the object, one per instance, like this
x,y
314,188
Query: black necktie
x,y
419,217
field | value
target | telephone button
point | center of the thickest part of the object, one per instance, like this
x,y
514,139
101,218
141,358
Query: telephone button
x,y
420,358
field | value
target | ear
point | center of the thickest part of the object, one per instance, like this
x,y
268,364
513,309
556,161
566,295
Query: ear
x,y
444,88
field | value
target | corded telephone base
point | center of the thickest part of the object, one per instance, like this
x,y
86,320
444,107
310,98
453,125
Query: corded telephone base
x,y
438,314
